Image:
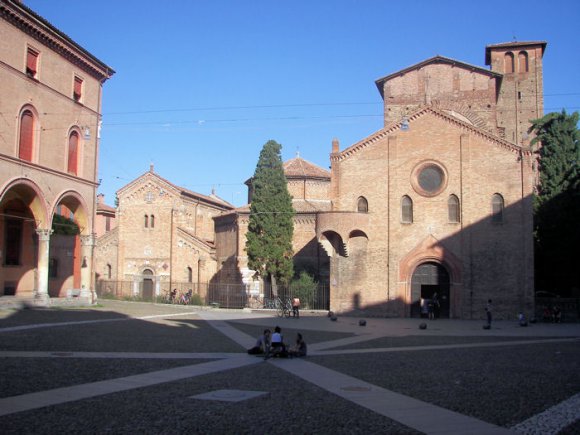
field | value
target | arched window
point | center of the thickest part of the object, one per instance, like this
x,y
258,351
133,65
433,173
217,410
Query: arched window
x,y
406,210
189,274
73,153
152,221
109,271
26,143
523,62
497,205
146,221
509,62
362,205
453,209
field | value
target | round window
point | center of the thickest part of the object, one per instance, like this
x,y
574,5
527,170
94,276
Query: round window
x,y
429,178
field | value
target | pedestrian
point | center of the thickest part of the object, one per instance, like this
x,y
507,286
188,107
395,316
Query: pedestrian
x,y
296,307
277,346
488,310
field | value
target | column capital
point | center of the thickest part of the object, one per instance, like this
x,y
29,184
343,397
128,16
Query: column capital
x,y
44,234
87,240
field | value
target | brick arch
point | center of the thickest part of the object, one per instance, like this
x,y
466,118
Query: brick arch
x,y
75,202
30,194
431,250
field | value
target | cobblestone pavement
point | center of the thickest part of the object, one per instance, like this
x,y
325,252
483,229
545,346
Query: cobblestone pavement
x,y
124,367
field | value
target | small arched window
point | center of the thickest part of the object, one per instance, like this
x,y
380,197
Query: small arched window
x,y
523,62
189,274
109,271
362,205
73,153
406,210
152,221
26,142
497,206
453,209
509,62
146,221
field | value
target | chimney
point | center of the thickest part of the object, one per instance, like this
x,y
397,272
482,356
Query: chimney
x,y
335,146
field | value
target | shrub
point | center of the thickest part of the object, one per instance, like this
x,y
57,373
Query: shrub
x,y
304,288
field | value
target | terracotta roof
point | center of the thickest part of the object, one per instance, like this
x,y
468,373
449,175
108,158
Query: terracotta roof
x,y
434,60
300,168
105,207
299,205
515,44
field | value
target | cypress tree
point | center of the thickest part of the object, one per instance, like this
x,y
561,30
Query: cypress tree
x,y
271,225
557,204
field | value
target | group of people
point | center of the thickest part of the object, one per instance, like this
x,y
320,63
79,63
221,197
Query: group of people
x,y
272,345
553,314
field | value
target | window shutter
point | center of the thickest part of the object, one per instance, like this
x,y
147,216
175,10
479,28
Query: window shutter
x,y
26,136
78,88
31,62
73,147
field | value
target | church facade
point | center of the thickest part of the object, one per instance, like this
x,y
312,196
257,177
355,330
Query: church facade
x,y
439,201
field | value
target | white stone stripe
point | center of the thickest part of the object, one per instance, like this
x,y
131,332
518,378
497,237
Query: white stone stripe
x,y
86,322
27,402
123,355
413,413
437,346
553,419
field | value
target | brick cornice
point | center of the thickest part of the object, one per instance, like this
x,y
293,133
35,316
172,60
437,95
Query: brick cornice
x,y
34,25
396,126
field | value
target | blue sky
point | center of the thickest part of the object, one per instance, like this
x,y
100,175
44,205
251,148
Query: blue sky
x,y
201,85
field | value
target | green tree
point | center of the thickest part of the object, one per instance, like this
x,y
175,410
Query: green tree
x,y
304,287
557,203
271,226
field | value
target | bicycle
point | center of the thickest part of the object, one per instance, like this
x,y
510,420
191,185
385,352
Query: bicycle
x,y
283,308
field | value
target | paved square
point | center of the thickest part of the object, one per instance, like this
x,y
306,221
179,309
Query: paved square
x,y
128,367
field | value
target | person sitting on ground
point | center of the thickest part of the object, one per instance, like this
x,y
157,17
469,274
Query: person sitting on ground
x,y
522,319
299,349
557,314
277,346
262,344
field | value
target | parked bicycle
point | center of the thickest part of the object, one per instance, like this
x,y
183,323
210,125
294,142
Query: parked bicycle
x,y
283,307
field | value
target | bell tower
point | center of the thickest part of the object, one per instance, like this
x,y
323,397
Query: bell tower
x,y
520,95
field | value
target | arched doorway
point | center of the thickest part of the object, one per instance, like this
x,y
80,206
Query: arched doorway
x,y
430,278
148,285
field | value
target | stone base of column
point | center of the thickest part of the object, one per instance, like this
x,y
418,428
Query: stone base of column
x,y
41,299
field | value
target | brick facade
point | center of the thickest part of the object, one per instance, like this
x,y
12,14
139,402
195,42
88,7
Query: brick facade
x,y
49,167
451,136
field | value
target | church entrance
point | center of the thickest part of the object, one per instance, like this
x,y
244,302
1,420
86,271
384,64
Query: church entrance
x,y
148,285
430,282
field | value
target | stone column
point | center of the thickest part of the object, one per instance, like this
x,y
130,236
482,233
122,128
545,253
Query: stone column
x,y
87,247
41,294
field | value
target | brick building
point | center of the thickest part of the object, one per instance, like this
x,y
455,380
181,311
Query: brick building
x,y
51,113
164,233
439,200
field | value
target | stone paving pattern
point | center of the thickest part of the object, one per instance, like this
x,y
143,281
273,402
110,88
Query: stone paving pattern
x,y
131,367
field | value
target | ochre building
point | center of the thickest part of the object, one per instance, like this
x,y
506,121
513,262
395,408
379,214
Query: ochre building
x,y
51,112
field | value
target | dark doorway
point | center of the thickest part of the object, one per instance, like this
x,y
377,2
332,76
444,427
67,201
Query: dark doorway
x,y
428,279
147,285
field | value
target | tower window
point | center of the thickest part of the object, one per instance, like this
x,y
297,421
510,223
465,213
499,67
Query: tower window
x,y
73,147
77,90
509,63
453,209
523,62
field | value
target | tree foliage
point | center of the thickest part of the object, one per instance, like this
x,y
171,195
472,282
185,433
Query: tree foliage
x,y
271,226
304,287
557,203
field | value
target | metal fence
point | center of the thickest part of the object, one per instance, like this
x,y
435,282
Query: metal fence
x,y
569,309
211,294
